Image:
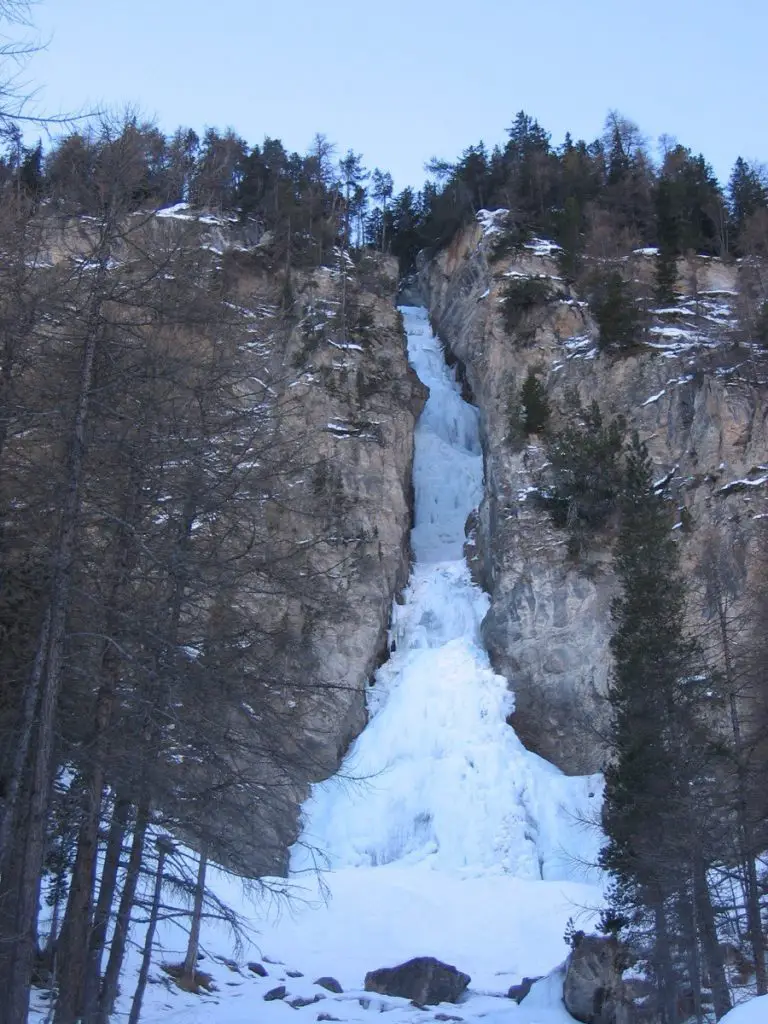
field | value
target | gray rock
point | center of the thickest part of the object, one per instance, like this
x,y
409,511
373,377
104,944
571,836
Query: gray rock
x,y
350,510
329,983
275,993
549,624
424,980
593,989
259,969
294,974
299,1001
519,992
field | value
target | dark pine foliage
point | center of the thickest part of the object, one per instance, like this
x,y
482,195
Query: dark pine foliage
x,y
658,779
535,404
619,317
586,472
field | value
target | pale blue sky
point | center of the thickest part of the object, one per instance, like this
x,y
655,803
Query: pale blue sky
x,y
404,80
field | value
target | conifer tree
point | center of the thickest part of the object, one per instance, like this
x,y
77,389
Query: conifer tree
x,y
669,243
533,398
657,784
617,312
747,192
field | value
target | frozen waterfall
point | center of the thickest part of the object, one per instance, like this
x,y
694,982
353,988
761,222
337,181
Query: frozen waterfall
x,y
438,776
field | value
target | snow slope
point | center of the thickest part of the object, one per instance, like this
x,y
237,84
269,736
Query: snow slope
x,y
753,1012
441,836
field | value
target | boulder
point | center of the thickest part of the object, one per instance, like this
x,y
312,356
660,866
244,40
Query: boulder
x,y
519,992
275,993
330,984
298,1002
258,968
424,980
593,990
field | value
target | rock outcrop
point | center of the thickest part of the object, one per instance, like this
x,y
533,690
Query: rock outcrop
x,y
699,401
593,989
520,991
424,980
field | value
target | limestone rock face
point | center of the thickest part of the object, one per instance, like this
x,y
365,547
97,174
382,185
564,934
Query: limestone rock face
x,y
424,980
699,402
346,403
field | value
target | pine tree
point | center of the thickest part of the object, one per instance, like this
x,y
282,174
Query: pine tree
x,y
585,471
353,174
658,795
618,314
383,187
747,192
533,398
669,243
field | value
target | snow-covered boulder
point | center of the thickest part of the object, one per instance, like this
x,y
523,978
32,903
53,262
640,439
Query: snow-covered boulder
x,y
424,979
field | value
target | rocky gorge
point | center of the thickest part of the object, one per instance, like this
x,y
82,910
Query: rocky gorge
x,y
696,397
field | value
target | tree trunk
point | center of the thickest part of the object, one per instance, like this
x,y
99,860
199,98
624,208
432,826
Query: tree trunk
x,y
687,913
747,839
107,888
76,931
662,963
190,960
707,928
72,948
13,1005
163,849
108,993
754,924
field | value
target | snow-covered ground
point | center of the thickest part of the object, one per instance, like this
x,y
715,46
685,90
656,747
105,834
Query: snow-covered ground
x,y
753,1012
441,836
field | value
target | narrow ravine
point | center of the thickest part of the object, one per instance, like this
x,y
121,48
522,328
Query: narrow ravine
x,y
443,778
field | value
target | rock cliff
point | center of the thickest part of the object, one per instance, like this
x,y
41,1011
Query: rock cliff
x,y
349,397
318,524
696,397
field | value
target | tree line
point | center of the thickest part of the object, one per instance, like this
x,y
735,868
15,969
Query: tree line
x,y
608,193
598,200
308,203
